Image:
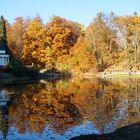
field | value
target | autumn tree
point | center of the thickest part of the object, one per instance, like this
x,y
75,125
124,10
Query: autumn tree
x,y
14,37
129,28
36,44
83,55
104,41
109,41
63,34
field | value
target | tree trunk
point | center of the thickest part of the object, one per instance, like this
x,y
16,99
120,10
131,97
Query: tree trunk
x,y
126,58
135,55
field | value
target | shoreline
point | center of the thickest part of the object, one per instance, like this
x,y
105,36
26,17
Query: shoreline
x,y
8,79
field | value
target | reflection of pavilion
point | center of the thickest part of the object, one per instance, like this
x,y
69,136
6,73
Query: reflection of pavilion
x,y
4,100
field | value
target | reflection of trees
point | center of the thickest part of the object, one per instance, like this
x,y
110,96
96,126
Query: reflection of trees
x,y
40,104
65,104
118,105
4,120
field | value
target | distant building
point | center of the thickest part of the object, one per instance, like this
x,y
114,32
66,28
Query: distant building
x,y
4,58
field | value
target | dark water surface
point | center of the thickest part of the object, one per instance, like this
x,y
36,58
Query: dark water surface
x,y
60,110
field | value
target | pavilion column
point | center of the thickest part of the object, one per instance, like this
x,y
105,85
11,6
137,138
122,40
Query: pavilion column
x,y
8,59
5,60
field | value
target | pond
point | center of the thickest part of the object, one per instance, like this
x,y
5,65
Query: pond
x,y
62,109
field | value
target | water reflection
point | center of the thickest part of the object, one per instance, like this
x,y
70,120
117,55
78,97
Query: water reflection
x,y
4,112
64,109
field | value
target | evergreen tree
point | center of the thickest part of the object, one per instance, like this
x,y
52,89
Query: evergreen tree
x,y
3,42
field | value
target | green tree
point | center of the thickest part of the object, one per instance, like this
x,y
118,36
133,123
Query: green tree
x,y
3,40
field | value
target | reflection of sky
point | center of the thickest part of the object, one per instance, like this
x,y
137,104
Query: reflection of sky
x,y
50,134
1,136
121,114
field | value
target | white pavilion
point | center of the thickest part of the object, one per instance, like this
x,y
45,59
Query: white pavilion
x,y
4,58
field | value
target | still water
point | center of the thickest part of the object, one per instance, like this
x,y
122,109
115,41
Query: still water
x,y
60,110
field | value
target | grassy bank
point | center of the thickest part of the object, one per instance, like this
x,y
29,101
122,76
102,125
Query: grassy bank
x,y
102,75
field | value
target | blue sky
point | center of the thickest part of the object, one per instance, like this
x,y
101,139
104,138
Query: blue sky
x,y
81,11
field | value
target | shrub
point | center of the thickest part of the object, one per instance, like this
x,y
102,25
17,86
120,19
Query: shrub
x,y
19,70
